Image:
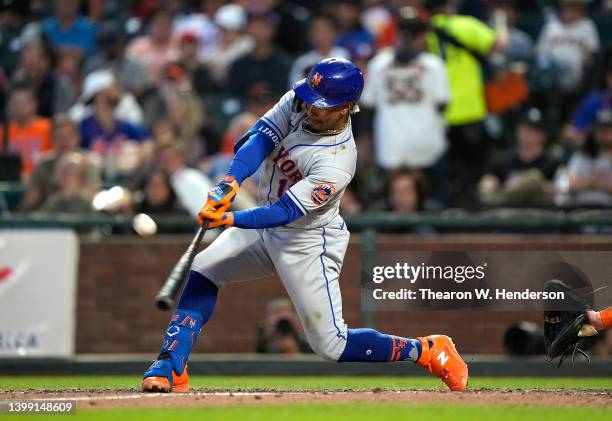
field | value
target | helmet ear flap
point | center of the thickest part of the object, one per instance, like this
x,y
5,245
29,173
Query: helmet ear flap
x,y
298,105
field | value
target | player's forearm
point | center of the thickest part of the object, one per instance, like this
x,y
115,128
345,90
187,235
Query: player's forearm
x,y
281,213
252,151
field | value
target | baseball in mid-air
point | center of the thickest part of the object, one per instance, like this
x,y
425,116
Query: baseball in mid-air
x,y
144,225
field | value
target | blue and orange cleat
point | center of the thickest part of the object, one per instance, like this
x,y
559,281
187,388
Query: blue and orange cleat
x,y
161,378
441,358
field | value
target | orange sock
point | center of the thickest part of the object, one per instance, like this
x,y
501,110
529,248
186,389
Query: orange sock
x,y
606,318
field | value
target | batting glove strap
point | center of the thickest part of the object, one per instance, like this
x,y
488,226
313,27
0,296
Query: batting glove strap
x,y
223,194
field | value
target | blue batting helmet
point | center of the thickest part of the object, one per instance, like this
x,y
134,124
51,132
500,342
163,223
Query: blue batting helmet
x,y
331,82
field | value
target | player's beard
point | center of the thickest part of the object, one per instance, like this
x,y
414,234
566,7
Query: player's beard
x,y
307,126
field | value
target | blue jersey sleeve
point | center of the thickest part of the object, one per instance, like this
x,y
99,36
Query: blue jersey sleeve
x,y
252,149
281,213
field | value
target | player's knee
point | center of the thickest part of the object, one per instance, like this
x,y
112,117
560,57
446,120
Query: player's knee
x,y
325,353
200,266
328,347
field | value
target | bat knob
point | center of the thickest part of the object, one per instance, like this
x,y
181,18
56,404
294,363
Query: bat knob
x,y
164,303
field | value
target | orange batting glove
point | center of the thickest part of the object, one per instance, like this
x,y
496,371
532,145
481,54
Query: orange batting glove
x,y
216,218
221,196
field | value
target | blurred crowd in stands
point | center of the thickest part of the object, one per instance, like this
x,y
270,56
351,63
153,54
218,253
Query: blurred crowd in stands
x,y
468,104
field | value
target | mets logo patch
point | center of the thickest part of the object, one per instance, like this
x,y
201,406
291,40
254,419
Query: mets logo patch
x,y
322,192
316,79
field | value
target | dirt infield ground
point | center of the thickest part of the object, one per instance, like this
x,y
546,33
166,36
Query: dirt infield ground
x,y
131,398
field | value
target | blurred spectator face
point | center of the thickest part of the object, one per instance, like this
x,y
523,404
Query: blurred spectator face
x,y
349,205
530,142
70,173
417,42
66,10
603,136
108,98
241,124
189,47
347,14
403,194
66,137
22,105
33,61
161,28
157,190
571,11
168,157
163,130
322,34
262,31
260,6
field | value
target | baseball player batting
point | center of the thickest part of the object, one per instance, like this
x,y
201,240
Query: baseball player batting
x,y
306,145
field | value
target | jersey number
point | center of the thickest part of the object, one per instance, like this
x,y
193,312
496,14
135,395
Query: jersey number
x,y
404,89
282,186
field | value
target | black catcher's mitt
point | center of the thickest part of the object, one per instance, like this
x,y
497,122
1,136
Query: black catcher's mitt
x,y
563,321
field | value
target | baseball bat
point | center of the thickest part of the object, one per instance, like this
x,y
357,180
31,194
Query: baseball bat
x,y
175,281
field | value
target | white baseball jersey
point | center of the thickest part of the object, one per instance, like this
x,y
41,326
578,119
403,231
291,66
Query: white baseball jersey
x,y
307,254
409,129
314,170
569,45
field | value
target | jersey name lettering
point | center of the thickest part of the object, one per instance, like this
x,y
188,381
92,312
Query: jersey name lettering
x,y
287,165
270,133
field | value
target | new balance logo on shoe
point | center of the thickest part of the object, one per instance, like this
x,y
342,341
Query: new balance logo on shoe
x,y
442,357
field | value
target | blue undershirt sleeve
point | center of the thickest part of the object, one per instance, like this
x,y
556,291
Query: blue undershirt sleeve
x,y
252,149
282,212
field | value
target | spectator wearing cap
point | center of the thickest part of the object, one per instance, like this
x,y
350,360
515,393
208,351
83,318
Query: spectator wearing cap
x,y
352,36
156,48
463,42
66,139
199,75
174,99
408,89
590,170
571,42
54,92
592,105
117,146
29,135
233,43
110,56
524,176
128,109
200,23
323,36
69,33
265,68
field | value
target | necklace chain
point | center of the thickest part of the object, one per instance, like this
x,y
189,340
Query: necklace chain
x,y
308,129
